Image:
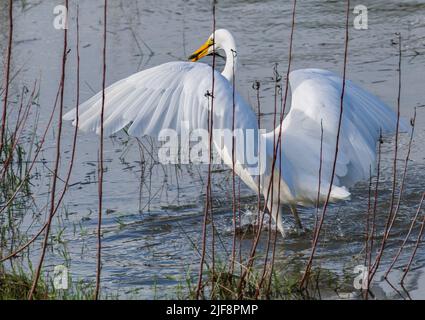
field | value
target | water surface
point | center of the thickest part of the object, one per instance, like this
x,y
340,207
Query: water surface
x,y
154,213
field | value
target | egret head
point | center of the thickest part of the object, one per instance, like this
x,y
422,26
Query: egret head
x,y
220,39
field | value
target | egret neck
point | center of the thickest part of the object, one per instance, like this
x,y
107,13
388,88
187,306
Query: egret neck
x,y
228,45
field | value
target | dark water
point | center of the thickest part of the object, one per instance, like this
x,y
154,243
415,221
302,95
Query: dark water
x,y
155,212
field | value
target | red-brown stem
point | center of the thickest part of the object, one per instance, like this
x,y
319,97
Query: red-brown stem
x,y
367,253
391,217
204,224
283,106
369,205
266,256
396,149
213,233
418,241
232,265
56,169
99,222
8,59
325,206
415,218
257,238
375,205
320,179
208,194
406,161
257,88
316,222
240,225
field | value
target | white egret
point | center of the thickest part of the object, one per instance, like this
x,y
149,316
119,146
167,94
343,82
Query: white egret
x,y
174,93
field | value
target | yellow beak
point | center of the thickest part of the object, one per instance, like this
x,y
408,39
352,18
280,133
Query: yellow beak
x,y
201,52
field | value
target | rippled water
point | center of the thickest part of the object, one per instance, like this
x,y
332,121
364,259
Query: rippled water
x,y
155,212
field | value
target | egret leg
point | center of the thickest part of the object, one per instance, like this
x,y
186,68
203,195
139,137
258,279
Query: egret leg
x,y
296,216
276,212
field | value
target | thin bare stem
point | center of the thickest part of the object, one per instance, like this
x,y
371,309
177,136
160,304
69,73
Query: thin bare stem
x,y
375,205
316,223
56,169
256,87
317,220
208,193
232,265
7,73
257,238
418,241
415,218
266,256
391,216
19,128
399,197
101,170
283,106
367,252
325,206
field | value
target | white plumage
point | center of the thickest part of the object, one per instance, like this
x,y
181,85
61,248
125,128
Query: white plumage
x,y
174,93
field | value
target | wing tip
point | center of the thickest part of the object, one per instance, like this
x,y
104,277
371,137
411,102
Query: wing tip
x,y
339,193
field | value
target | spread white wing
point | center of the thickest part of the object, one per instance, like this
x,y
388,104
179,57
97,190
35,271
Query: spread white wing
x,y
316,98
170,96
